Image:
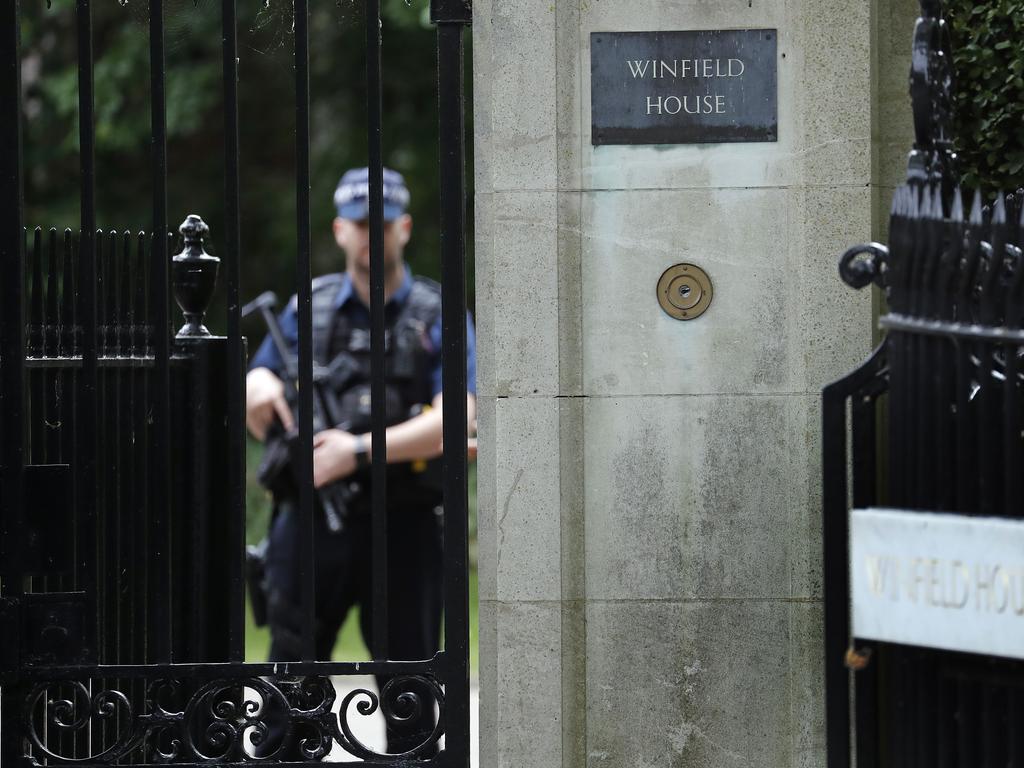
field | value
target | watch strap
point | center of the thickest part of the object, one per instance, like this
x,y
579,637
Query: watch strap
x,y
362,455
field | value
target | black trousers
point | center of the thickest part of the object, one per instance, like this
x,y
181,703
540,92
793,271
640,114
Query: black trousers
x,y
344,578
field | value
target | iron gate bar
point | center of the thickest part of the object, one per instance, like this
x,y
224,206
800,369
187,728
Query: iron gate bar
x,y
12,342
161,598
954,330
231,262
12,353
835,530
967,463
216,670
987,405
53,311
102,362
378,414
453,340
250,763
86,474
307,558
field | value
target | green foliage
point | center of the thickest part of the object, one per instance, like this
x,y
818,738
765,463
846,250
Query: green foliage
x,y
195,123
988,58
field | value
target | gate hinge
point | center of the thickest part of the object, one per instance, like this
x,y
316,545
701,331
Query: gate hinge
x,y
857,658
451,11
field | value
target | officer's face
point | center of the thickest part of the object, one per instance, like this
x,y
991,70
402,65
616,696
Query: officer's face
x,y
353,237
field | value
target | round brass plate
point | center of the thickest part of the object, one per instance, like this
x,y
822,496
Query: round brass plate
x,y
684,291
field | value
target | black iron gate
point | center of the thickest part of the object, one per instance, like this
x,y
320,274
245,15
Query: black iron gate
x,y
122,460
932,422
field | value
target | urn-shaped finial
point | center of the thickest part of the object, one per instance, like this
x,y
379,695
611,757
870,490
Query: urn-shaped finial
x,y
193,276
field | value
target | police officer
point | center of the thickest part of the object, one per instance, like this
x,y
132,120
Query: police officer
x,y
341,329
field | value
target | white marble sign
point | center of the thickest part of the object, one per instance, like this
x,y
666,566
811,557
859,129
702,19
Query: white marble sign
x,y
938,580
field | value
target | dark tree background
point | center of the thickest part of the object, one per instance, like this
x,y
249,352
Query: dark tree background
x,y
195,122
988,57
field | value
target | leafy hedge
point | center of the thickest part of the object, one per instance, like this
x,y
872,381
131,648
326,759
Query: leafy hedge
x,y
988,58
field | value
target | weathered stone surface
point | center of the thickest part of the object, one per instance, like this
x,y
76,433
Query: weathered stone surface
x,y
483,140
572,489
805,524
568,96
524,255
486,497
485,301
807,683
780,316
528,546
522,110
745,342
694,497
570,293
700,684
490,744
524,723
834,321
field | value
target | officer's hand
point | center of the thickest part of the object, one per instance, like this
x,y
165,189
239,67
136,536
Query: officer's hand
x,y
334,456
264,399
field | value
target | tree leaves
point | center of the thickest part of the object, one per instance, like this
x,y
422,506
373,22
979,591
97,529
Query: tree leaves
x,y
195,121
988,58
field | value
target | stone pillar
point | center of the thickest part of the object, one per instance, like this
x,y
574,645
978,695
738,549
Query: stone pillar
x,y
649,488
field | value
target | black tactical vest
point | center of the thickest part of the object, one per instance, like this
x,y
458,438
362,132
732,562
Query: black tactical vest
x,y
346,348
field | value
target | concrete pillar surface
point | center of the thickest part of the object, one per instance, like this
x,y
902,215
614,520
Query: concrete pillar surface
x,y
650,575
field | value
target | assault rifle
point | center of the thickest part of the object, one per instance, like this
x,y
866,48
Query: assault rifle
x,y
277,471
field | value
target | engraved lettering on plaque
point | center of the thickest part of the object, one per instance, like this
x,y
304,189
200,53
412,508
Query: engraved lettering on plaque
x,y
684,87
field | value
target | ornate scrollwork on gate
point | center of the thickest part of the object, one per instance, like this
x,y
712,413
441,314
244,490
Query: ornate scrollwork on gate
x,y
250,719
401,699
864,264
70,707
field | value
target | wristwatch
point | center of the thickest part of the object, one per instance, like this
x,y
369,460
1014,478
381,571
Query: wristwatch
x,y
362,455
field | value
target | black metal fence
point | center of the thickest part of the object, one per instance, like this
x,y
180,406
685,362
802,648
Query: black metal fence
x,y
122,480
112,554
931,422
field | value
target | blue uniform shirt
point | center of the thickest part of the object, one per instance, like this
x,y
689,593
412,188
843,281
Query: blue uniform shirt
x,y
359,316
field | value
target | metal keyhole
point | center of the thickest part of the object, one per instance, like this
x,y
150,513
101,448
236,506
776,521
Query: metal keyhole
x,y
684,291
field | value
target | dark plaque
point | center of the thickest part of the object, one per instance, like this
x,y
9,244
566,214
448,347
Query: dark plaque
x,y
683,87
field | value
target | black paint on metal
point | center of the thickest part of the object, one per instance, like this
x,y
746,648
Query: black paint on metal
x,y
87,382
378,417
451,112
303,275
122,433
451,11
236,346
692,87
12,369
946,383
161,597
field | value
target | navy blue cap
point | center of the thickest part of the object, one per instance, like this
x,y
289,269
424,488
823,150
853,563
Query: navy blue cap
x,y
352,196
